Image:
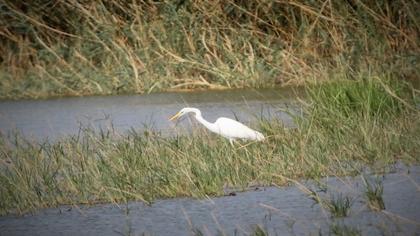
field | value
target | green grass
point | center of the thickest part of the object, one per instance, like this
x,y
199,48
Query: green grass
x,y
336,136
109,47
259,231
374,192
339,206
344,230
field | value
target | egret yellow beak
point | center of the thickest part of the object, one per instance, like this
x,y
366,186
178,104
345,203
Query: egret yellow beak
x,y
175,116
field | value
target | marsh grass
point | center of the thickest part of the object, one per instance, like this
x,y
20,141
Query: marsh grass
x,y
108,47
259,231
344,230
197,232
374,192
329,140
339,206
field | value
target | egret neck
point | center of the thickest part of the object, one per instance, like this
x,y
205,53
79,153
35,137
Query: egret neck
x,y
211,126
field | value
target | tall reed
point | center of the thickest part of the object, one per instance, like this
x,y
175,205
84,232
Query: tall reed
x,y
75,47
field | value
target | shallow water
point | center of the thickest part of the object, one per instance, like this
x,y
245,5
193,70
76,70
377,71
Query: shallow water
x,y
280,211
55,118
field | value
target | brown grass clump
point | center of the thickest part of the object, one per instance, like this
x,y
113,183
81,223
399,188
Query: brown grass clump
x,y
75,47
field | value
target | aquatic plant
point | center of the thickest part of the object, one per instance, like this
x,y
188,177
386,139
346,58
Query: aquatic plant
x,y
344,230
91,167
259,231
339,206
374,192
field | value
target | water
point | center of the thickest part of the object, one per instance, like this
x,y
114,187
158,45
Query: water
x,y
56,118
280,211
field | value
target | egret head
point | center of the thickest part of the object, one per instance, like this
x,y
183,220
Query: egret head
x,y
184,111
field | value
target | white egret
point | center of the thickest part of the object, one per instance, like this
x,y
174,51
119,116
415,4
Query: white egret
x,y
228,128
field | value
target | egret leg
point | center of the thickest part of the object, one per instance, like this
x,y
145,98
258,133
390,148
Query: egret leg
x,y
231,141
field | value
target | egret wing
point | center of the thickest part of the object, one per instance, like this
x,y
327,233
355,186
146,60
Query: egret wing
x,y
233,129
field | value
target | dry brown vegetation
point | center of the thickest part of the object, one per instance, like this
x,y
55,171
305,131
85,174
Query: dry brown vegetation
x,y
75,47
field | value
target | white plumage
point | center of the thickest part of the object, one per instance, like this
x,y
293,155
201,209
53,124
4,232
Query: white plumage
x,y
228,128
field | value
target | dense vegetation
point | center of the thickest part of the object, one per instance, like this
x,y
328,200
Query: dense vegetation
x,y
77,47
364,114
344,130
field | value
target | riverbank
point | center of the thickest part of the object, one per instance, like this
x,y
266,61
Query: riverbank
x,y
74,48
346,126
